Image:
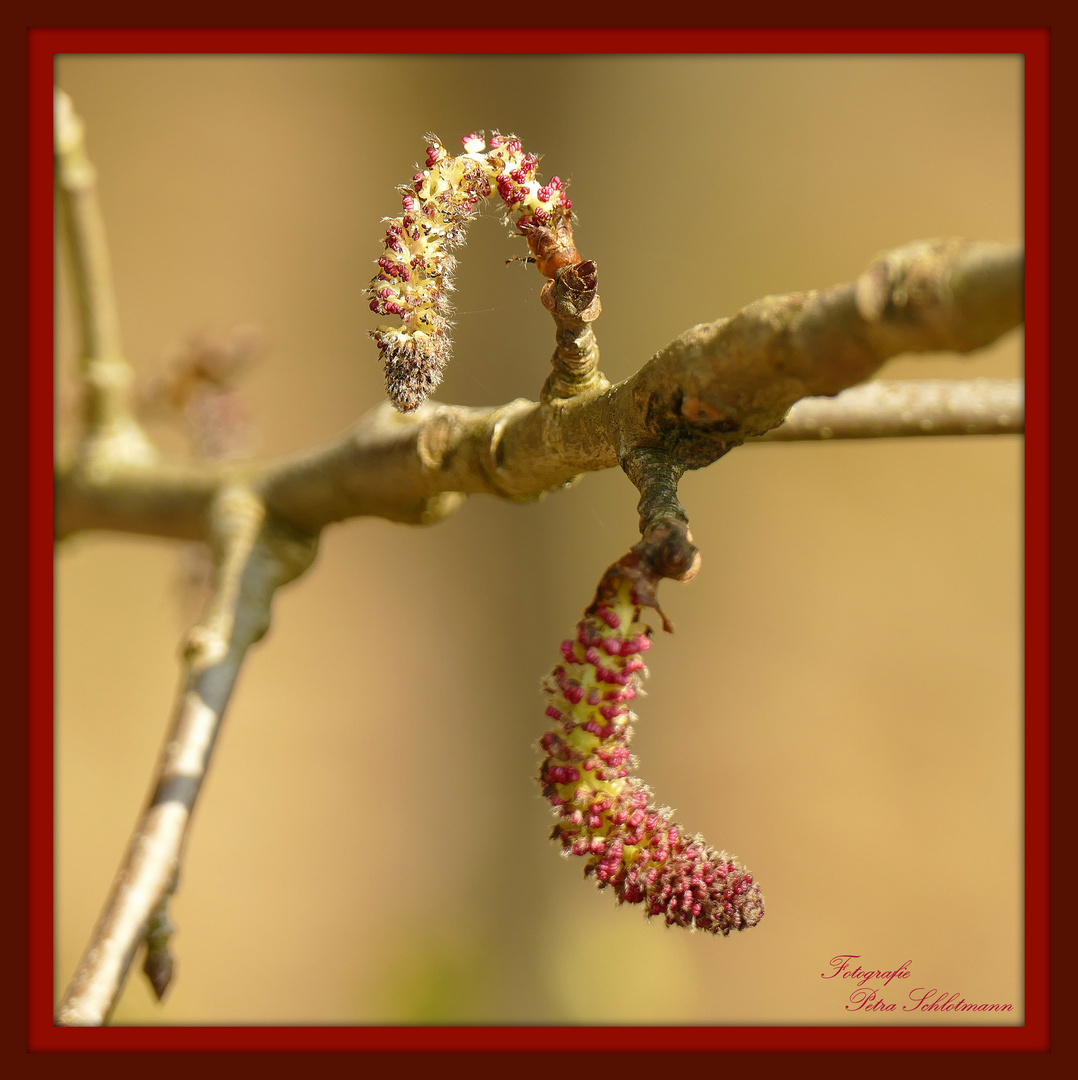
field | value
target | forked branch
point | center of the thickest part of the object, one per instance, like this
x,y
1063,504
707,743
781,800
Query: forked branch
x,y
715,387
255,555
111,434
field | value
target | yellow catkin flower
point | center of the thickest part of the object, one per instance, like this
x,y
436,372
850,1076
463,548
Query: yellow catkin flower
x,y
605,813
416,268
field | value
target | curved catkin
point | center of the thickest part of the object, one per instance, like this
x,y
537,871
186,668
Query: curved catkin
x,y
415,271
605,813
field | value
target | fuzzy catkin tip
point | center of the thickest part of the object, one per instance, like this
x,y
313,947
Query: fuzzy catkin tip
x,y
605,813
415,269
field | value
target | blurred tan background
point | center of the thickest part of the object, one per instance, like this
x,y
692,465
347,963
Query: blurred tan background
x,y
841,703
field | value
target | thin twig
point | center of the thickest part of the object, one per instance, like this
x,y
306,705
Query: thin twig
x,y
112,435
255,556
887,410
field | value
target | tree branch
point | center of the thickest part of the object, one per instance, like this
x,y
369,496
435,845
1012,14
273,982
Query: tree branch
x,y
885,410
256,555
112,435
713,388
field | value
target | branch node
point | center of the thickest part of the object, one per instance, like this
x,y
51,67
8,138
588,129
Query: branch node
x,y
112,436
158,964
491,451
666,551
571,298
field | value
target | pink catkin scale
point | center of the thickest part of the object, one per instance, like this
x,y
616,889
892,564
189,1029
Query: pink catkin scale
x,y
631,846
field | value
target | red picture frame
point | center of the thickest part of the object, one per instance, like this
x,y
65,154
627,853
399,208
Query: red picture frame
x,y
1033,45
